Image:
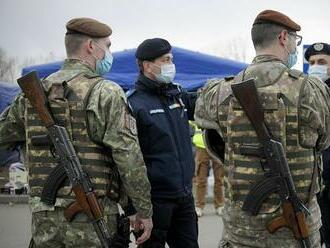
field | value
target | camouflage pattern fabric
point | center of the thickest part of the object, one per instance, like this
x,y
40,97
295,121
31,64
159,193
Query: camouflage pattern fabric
x,y
242,230
297,112
66,102
51,229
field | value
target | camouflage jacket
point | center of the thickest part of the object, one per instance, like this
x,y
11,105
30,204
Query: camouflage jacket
x,y
110,124
216,109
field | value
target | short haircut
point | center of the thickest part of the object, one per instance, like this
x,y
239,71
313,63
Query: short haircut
x,y
264,34
73,43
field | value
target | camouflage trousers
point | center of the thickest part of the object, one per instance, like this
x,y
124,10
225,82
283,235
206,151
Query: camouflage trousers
x,y
51,229
242,230
278,240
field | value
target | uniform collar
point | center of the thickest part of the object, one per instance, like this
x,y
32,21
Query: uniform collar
x,y
79,66
266,58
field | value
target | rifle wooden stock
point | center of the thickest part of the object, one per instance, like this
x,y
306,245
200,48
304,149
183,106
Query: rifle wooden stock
x,y
86,203
34,91
94,205
246,94
80,205
294,221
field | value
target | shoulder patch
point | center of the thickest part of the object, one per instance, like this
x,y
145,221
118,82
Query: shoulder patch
x,y
130,92
295,73
130,123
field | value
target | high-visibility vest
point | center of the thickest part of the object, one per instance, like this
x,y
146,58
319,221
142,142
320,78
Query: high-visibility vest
x,y
198,136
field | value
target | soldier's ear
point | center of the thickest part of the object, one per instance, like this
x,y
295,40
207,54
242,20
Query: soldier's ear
x,y
90,46
283,37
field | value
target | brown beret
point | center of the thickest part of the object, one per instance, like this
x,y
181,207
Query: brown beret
x,y
272,16
89,27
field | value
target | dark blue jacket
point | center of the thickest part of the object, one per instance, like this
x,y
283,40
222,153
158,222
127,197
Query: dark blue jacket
x,y
162,113
326,158
326,167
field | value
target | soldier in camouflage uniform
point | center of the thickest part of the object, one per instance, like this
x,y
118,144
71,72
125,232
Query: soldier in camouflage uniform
x,y
297,113
103,132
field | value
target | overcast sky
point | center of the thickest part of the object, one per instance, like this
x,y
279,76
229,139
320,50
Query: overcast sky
x,y
30,28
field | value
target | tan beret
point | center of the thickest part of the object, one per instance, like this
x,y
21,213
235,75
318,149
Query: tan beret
x,y
88,26
272,16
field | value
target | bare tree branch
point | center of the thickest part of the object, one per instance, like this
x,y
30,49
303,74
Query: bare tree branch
x,y
236,48
7,67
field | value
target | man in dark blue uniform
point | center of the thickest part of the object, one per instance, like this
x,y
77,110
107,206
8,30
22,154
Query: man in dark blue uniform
x,y
162,110
318,57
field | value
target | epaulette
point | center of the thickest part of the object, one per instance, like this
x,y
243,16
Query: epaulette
x,y
130,92
228,78
295,73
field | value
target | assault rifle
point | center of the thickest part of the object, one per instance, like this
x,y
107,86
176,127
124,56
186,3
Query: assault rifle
x,y
277,178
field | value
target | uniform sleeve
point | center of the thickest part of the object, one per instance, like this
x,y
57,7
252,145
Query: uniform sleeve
x,y
12,130
314,115
111,124
206,106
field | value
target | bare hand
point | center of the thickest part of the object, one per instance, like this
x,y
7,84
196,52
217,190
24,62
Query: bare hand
x,y
145,225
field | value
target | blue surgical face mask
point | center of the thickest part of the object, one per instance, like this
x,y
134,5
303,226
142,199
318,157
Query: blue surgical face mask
x,y
167,73
293,57
320,71
104,65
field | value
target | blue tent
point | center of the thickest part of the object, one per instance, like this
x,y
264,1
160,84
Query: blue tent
x,y
193,68
8,92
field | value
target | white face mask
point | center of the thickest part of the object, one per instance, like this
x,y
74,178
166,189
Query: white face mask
x,y
319,71
167,73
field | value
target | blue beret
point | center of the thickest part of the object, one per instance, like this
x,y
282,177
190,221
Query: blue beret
x,y
151,49
317,48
